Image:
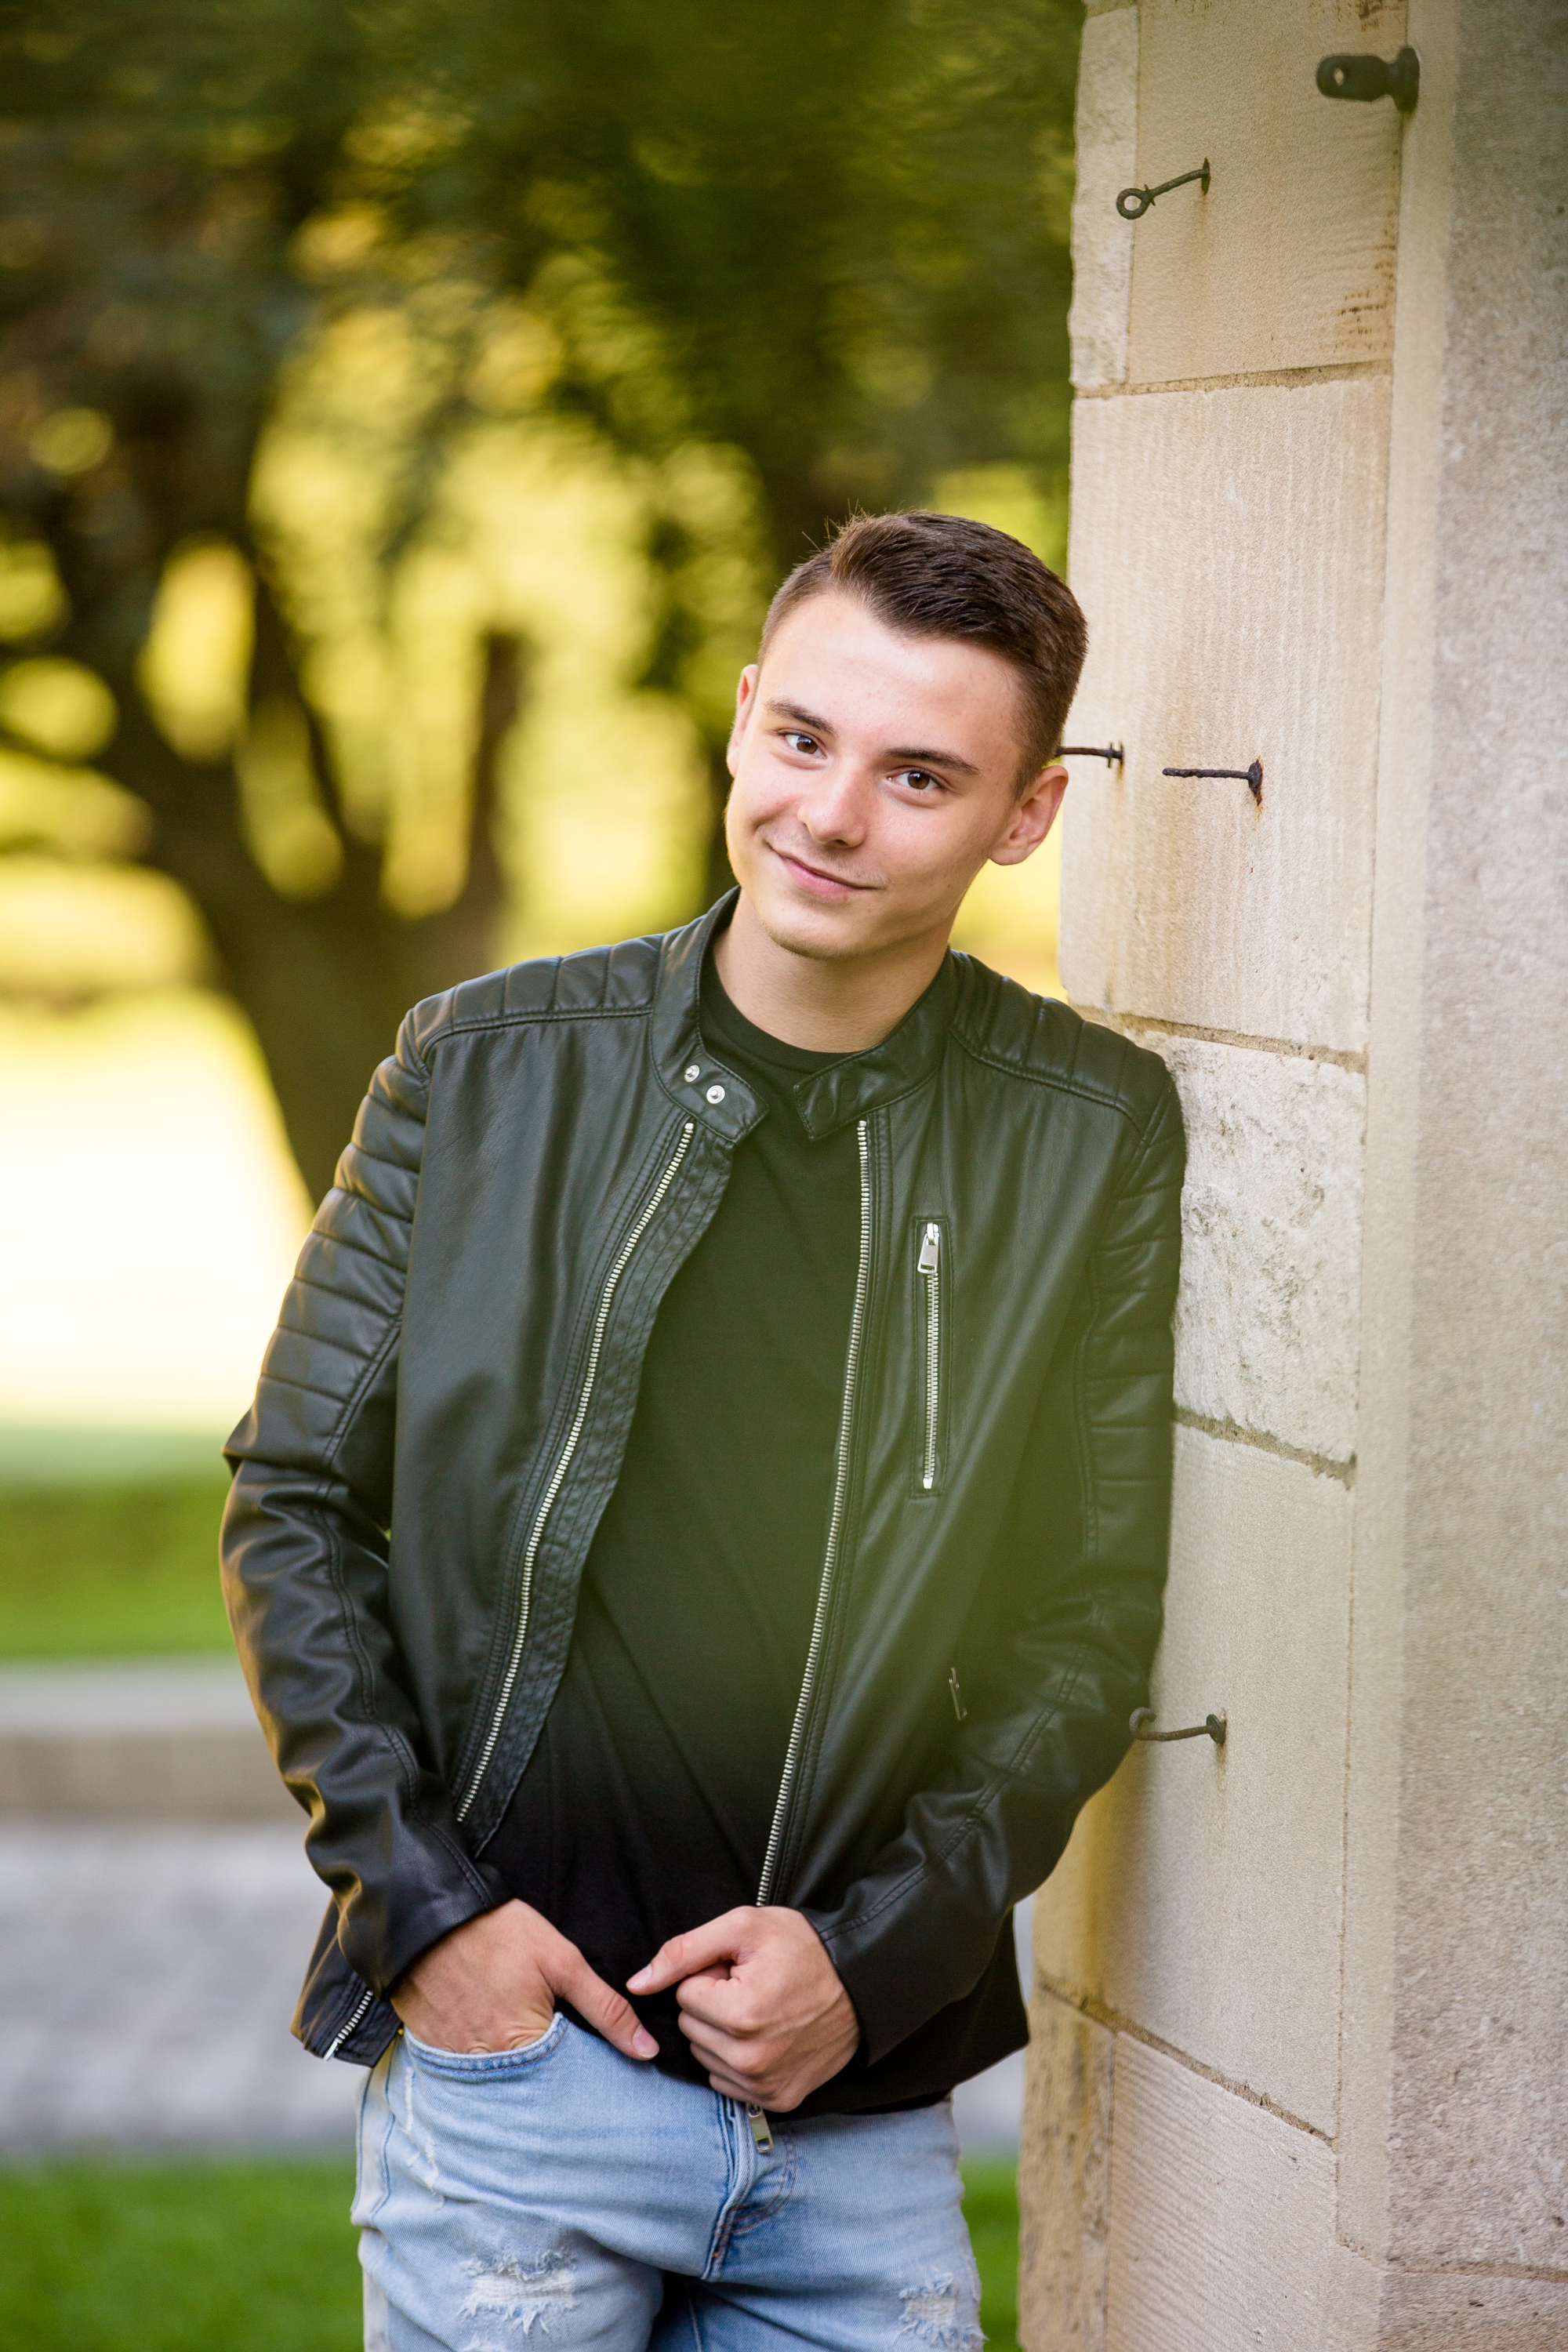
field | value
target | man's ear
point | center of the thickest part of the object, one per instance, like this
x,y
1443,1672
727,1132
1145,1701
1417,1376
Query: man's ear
x,y
744,693
1032,818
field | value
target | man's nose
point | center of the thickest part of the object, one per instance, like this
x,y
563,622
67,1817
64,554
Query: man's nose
x,y
835,810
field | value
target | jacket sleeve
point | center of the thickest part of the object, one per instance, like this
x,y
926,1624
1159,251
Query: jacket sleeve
x,y
1058,1678
304,1557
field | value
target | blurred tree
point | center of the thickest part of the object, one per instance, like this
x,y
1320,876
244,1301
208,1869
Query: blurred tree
x,y
830,232
825,239
157,165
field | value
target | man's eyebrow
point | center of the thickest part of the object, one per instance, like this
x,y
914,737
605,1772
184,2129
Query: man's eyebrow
x,y
915,757
807,718
926,759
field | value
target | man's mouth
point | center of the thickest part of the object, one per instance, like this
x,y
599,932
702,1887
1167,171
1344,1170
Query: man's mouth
x,y
816,880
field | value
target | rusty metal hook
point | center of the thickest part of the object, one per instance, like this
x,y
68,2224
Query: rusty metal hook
x,y
1251,777
1214,1726
1134,203
1112,753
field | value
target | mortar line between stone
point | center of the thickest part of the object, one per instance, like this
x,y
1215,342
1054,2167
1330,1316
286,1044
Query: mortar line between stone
x,y
1128,1024
1329,372
1477,2270
1114,2022
1323,1465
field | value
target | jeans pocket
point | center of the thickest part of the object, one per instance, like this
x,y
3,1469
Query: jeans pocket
x,y
485,2065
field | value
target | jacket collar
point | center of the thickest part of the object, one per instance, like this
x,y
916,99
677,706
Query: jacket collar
x,y
833,1096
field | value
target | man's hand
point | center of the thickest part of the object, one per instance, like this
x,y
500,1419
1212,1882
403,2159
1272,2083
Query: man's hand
x,y
492,1984
761,2004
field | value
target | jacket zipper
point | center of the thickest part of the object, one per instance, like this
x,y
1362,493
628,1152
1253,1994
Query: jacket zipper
x,y
834,1527
536,1533
929,1264
341,2035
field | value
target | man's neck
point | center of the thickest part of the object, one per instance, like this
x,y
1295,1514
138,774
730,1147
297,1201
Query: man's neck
x,y
823,1006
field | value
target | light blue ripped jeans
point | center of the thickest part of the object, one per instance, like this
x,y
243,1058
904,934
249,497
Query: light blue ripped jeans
x,y
550,2196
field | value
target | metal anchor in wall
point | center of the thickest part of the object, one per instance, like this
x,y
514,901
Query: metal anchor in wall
x,y
1251,777
1114,756
1353,76
1134,203
1141,1726
1112,753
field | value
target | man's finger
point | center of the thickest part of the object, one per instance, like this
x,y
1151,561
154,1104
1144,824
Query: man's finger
x,y
717,2048
606,2010
743,2061
740,2083
718,2002
699,1948
728,2087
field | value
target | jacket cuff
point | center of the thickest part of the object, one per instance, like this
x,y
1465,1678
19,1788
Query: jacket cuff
x,y
383,1948
902,1958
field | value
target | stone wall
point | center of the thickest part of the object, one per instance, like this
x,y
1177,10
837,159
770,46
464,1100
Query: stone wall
x,y
1299,2069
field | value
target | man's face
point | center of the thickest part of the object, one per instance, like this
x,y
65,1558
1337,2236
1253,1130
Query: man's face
x,y
874,775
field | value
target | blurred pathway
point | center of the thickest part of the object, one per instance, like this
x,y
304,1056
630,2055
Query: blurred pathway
x,y
147,1977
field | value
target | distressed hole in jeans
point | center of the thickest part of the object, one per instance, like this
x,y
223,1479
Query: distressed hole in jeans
x,y
506,2289
423,2139
942,2312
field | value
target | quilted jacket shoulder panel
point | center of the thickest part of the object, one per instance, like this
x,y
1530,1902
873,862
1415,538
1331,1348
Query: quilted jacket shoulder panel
x,y
1041,1039
596,980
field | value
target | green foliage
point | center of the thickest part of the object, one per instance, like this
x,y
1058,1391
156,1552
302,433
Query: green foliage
x,y
831,232
815,249
259,2257
110,1571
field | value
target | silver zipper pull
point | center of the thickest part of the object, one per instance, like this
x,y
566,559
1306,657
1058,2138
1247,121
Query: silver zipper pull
x,y
760,2131
958,1707
930,1249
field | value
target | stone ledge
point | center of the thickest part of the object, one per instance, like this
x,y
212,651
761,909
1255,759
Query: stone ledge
x,y
163,1740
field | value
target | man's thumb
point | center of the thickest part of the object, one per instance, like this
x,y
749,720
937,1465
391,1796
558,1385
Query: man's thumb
x,y
608,2012
699,1948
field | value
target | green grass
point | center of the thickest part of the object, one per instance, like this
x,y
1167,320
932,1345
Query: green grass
x,y
991,2202
221,2257
259,2257
111,1570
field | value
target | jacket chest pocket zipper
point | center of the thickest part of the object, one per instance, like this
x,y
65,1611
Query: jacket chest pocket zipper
x,y
931,1278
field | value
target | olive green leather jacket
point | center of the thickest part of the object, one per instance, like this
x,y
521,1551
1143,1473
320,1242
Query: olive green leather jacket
x,y
443,1410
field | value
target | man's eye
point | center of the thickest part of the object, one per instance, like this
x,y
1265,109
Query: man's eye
x,y
920,780
798,743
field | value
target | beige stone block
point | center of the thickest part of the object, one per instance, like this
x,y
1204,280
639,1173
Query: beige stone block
x,y
1469,2312
1200,1896
1106,143
1227,551
1287,261
1222,2222
1268,1318
1063,2179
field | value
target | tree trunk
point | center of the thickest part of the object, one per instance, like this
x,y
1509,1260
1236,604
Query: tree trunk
x,y
323,981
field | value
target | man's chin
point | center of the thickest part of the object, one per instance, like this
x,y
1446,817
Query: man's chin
x,y
823,933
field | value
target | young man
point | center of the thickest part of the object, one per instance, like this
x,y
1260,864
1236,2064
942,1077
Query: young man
x,y
700,1532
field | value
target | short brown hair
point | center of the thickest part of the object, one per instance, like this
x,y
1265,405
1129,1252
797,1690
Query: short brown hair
x,y
937,576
